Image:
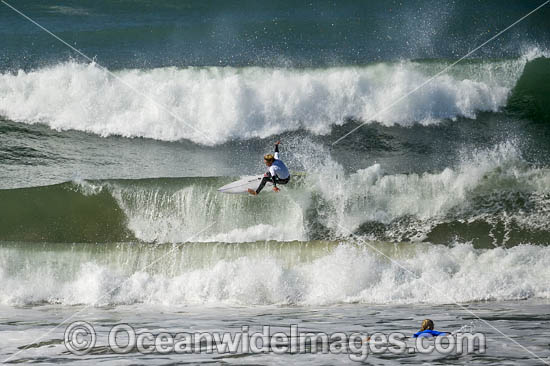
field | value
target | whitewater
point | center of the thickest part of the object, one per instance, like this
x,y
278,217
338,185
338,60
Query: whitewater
x,y
490,187
436,208
313,274
213,105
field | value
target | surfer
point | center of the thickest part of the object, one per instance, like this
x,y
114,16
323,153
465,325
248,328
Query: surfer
x,y
427,330
277,173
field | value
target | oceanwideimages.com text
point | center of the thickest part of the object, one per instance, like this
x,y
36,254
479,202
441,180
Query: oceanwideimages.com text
x,y
81,338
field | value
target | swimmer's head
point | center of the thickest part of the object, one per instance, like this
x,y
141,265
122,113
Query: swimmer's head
x,y
427,324
269,159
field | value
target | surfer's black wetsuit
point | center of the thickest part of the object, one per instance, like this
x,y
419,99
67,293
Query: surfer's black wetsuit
x,y
271,175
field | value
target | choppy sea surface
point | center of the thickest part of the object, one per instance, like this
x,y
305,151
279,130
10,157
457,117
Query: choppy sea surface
x,y
437,207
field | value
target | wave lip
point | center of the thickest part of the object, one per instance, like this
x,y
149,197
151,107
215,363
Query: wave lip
x,y
228,103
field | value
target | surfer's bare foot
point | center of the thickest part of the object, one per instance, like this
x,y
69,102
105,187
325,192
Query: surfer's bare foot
x,y
275,189
252,192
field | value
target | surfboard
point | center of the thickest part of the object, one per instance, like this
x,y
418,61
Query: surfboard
x,y
243,184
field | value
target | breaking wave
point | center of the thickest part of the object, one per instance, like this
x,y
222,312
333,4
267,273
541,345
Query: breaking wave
x,y
492,198
212,105
316,273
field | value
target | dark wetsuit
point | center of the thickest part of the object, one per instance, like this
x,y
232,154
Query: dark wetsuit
x,y
278,173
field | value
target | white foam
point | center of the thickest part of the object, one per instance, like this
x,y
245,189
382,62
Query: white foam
x,y
370,195
335,274
340,202
227,103
200,213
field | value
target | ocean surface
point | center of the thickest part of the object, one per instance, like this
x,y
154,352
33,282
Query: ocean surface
x,y
437,207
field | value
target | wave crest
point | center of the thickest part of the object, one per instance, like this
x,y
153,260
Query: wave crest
x,y
226,103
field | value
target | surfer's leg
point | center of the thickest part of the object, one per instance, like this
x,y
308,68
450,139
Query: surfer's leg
x,y
263,182
283,181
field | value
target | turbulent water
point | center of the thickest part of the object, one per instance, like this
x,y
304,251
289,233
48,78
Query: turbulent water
x,y
493,198
213,105
109,168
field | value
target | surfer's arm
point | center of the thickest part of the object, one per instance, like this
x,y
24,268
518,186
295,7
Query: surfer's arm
x,y
276,155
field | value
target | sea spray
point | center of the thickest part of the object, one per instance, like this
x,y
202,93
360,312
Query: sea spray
x,y
317,273
491,197
228,103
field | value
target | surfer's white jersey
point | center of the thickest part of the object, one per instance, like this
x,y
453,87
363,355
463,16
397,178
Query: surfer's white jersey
x,y
278,168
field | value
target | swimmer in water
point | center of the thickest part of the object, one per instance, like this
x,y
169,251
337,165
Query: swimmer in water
x,y
427,330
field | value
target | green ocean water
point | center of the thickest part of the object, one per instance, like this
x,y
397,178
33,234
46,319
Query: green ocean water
x,y
438,206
